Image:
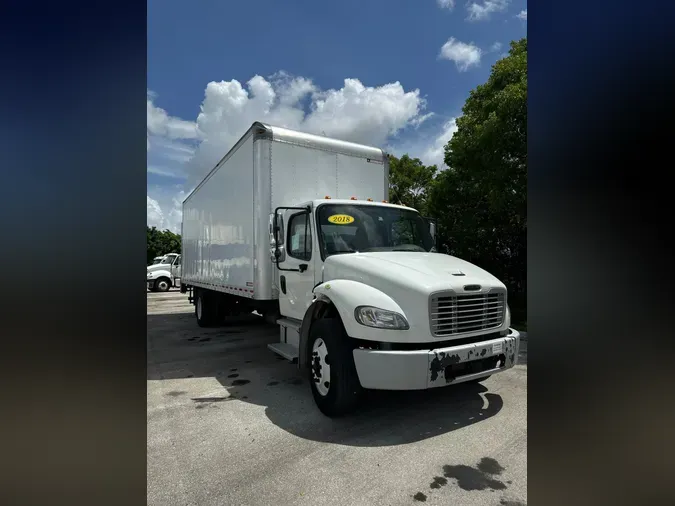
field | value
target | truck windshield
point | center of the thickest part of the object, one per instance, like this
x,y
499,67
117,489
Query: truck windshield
x,y
346,228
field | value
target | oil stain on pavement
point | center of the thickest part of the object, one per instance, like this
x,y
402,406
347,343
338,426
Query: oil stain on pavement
x,y
482,477
419,496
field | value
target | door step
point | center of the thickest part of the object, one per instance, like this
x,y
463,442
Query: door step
x,y
289,339
286,350
290,323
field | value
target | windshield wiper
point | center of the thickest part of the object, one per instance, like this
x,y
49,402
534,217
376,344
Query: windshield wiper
x,y
413,248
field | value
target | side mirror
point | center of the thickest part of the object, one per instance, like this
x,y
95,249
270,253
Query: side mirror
x,y
271,230
432,231
277,238
278,229
277,254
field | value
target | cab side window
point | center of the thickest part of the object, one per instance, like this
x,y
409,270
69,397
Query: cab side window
x,y
297,239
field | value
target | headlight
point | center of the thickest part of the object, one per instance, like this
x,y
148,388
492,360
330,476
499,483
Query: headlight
x,y
380,318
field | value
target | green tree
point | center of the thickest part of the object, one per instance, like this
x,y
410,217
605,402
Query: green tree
x,y
409,181
161,242
480,201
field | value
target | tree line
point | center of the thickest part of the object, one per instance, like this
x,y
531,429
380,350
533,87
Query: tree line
x,y
480,200
161,242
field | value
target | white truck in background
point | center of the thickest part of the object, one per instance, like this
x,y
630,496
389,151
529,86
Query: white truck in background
x,y
297,227
165,274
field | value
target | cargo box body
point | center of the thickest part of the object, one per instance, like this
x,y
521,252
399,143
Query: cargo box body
x,y
225,232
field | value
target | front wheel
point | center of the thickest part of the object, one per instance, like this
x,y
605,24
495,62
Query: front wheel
x,y
162,285
332,374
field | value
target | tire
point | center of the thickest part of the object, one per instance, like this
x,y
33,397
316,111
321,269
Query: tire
x,y
162,285
205,309
330,348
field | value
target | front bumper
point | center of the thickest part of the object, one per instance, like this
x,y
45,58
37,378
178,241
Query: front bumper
x,y
422,369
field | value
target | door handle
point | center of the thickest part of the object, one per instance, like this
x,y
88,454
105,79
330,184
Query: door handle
x,y
302,267
282,282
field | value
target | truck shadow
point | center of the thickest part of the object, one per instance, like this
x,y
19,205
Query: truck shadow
x,y
237,356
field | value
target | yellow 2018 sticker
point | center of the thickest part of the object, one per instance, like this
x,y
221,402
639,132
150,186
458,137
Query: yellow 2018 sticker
x,y
341,219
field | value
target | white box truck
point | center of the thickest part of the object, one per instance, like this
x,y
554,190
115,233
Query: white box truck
x,y
297,227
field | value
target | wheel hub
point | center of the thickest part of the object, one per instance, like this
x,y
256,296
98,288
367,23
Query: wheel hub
x,y
320,367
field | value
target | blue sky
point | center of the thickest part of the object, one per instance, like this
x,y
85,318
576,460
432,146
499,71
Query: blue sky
x,y
409,66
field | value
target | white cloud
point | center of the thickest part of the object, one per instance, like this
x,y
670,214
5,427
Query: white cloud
x,y
165,208
421,119
365,114
435,152
155,216
480,11
522,15
169,140
495,47
464,55
446,4
355,112
160,123
431,150
159,170
175,150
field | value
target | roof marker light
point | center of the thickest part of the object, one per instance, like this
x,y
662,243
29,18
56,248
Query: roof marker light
x,y
370,200
353,198
327,197
385,201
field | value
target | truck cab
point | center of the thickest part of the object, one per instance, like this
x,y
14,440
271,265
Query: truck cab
x,y
360,281
165,274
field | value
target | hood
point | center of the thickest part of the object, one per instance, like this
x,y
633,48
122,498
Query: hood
x,y
421,272
158,267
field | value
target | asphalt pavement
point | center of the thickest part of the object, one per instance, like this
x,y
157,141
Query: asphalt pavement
x,y
230,423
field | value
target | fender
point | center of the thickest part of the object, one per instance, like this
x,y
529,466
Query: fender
x,y
346,296
162,273
315,311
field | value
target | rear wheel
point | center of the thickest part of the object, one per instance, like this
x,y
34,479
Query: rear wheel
x,y
332,374
205,309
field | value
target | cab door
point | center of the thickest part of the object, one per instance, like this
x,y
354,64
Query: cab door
x,y
175,271
295,272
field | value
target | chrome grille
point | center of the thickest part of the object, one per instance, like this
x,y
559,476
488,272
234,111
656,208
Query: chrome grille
x,y
451,314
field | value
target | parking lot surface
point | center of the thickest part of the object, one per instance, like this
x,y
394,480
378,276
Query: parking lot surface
x,y
230,423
